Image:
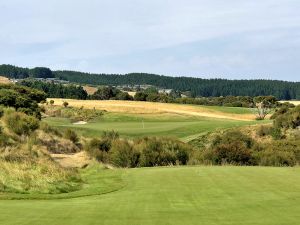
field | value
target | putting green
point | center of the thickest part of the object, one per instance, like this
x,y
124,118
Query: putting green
x,y
179,195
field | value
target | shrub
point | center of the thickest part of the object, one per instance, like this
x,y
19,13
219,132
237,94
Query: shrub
x,y
288,119
162,151
110,135
48,129
277,158
232,147
235,153
1,111
51,102
264,131
99,148
65,104
123,96
71,135
21,123
142,152
276,133
122,154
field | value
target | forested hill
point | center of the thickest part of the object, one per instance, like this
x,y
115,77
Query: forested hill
x,y
197,86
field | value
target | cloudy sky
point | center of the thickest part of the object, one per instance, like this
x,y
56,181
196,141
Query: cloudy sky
x,y
236,39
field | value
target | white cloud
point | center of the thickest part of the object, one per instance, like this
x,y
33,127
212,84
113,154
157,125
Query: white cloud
x,y
89,30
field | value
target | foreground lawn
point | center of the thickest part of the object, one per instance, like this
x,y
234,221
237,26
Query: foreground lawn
x,y
184,127
179,195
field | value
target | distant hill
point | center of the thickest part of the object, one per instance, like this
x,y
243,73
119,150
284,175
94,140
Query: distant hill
x,y
197,86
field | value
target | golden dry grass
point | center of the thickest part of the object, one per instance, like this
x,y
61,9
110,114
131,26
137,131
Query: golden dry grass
x,y
132,93
293,102
135,107
4,80
90,90
77,160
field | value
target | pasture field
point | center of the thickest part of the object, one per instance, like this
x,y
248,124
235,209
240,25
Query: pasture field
x,y
171,195
137,107
4,80
293,102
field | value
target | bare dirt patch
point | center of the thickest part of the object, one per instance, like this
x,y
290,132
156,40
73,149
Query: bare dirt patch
x,y
76,160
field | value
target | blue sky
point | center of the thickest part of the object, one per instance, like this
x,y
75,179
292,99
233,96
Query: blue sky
x,y
235,39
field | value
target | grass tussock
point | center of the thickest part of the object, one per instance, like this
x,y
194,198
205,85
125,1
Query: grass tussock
x,y
41,176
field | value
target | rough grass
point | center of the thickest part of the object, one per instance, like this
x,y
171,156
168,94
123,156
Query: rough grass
x,y
4,80
135,107
36,177
89,89
179,195
94,180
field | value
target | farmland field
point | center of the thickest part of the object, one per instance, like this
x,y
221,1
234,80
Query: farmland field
x,y
173,195
293,102
135,107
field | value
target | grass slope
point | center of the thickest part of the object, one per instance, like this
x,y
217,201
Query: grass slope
x,y
183,127
179,195
136,107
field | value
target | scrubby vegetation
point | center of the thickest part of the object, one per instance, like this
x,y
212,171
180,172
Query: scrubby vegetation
x,y
25,163
265,145
25,145
23,99
142,152
72,113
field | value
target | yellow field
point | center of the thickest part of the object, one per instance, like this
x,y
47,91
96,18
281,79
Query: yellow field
x,y
132,93
90,90
4,80
135,107
293,102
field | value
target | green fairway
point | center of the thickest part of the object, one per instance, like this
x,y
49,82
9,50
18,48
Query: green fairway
x,y
179,195
182,127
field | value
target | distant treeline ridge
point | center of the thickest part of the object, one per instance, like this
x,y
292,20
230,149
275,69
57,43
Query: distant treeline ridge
x,y
197,86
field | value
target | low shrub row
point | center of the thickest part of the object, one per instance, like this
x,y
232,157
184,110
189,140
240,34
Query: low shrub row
x,y
73,113
236,148
143,152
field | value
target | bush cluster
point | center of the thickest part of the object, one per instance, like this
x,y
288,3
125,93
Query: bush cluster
x,y
110,93
23,99
75,114
20,123
287,118
143,152
235,148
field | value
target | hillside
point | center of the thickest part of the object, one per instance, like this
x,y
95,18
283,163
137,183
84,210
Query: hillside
x,y
138,107
4,80
197,86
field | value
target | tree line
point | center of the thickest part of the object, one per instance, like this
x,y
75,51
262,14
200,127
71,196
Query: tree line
x,y
14,72
196,86
54,90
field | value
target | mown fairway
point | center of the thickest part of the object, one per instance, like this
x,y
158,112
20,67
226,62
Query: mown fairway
x,y
136,119
184,127
179,195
